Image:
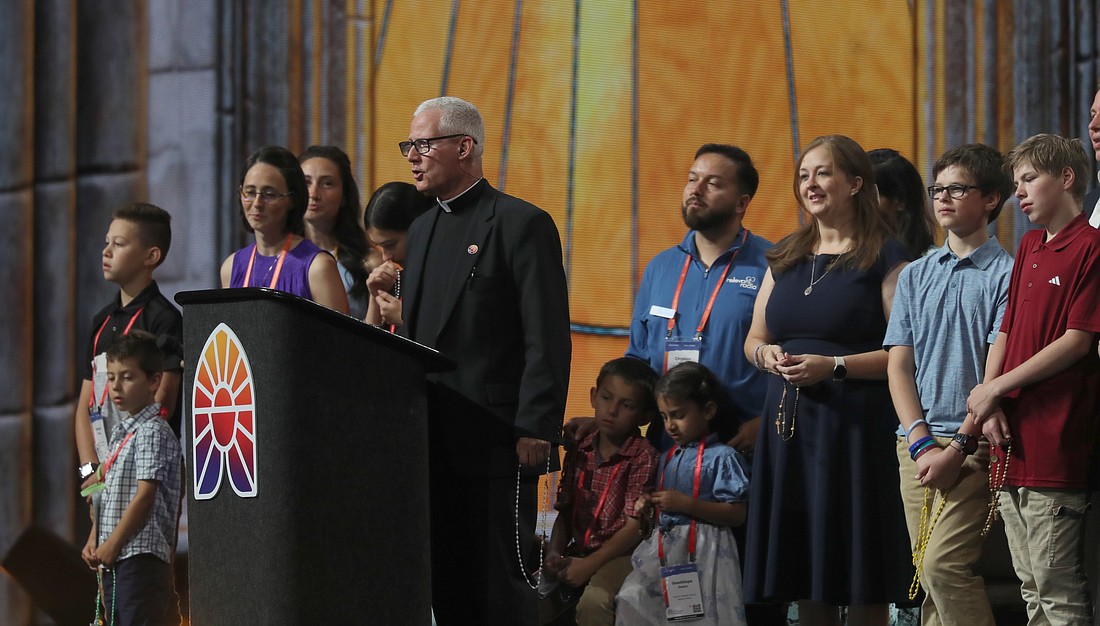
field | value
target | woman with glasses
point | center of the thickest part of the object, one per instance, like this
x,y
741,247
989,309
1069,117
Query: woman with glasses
x,y
826,526
332,218
390,212
901,195
273,202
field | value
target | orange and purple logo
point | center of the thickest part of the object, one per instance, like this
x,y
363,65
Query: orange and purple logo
x,y
223,417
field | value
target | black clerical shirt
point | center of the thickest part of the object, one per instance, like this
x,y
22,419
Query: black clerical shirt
x,y
450,237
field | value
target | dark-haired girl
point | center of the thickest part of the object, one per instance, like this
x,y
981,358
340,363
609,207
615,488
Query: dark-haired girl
x,y
390,212
701,491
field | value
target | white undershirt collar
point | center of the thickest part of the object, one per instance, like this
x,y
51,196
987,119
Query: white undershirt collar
x,y
446,204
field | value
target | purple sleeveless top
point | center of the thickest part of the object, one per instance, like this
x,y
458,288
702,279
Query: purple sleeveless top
x,y
294,277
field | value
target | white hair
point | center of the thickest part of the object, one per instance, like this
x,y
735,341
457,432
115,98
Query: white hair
x,y
457,117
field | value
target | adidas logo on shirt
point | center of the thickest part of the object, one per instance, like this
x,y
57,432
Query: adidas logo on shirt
x,y
1055,281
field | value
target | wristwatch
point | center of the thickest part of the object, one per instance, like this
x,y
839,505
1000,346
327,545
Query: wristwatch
x,y
969,443
839,371
86,470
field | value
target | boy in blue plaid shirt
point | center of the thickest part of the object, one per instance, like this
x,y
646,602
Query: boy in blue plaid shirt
x,y
135,525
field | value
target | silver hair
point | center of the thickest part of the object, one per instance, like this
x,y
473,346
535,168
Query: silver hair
x,y
456,116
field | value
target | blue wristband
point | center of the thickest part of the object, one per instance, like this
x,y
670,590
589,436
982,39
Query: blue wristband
x,y
920,443
921,446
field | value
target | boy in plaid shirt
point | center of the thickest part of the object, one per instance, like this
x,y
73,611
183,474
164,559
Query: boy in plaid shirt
x,y
597,527
135,525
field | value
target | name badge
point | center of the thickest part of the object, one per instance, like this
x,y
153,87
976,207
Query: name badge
x,y
661,311
99,431
683,594
95,412
99,370
679,351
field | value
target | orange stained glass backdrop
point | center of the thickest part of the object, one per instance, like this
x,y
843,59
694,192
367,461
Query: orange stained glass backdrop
x,y
594,109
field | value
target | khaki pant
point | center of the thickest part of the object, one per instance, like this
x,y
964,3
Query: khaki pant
x,y
1045,529
597,604
954,595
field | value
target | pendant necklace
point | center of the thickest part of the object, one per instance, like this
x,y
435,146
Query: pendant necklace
x,y
813,268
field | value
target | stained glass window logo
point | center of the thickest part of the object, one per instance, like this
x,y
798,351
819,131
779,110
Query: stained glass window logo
x,y
223,417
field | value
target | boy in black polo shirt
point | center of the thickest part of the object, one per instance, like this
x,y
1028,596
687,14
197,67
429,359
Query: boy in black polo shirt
x,y
136,244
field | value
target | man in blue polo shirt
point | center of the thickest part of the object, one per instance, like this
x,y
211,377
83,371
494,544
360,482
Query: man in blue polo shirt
x,y
696,299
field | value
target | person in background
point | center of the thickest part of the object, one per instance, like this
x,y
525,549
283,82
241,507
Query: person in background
x,y
273,203
332,218
901,194
1092,199
390,211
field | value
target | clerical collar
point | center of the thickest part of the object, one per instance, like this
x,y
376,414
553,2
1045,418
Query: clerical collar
x,y
459,201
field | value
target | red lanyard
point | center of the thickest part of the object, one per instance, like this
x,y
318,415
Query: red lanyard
x,y
278,265
599,504
111,460
95,342
95,350
714,294
694,494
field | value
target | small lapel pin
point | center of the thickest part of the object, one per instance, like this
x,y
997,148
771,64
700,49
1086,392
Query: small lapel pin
x,y
472,249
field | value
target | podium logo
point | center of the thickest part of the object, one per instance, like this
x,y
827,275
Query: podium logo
x,y
223,411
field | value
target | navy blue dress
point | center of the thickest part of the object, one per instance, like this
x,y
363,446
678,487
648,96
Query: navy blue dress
x,y
825,516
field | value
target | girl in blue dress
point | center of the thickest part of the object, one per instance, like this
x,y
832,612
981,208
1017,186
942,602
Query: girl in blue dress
x,y
691,558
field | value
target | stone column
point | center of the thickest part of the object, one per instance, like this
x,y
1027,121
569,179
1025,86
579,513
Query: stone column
x,y
360,108
1084,71
959,62
17,277
1039,69
112,109
254,97
55,344
324,74
182,159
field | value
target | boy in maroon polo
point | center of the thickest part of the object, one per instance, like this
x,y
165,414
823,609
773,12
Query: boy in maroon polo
x,y
1038,401
597,527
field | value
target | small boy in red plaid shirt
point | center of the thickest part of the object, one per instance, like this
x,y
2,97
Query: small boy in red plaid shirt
x,y
597,527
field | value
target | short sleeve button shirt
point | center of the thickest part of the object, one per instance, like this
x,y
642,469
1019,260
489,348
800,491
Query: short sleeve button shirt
x,y
152,452
948,310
